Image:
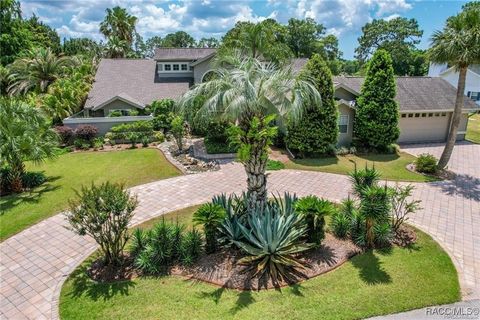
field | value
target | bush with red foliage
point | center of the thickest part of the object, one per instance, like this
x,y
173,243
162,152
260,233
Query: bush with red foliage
x,y
86,132
67,135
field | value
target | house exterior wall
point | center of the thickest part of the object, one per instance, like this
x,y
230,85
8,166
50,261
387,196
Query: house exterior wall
x,y
341,93
117,105
200,69
345,139
472,82
103,124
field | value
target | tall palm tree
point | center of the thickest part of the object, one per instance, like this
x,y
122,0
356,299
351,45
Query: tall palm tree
x,y
24,135
252,95
116,48
119,23
37,71
458,44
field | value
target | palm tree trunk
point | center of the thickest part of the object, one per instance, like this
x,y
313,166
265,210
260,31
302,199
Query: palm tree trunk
x,y
369,231
17,170
457,114
255,168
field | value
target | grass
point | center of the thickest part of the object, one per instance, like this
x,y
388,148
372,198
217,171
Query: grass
x,y
71,171
391,166
373,283
473,129
275,165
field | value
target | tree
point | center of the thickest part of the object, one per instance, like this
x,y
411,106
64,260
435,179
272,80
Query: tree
x,y
37,71
318,129
376,118
25,135
304,37
117,48
209,43
119,23
103,212
252,96
44,35
14,34
458,44
397,36
179,39
151,44
81,46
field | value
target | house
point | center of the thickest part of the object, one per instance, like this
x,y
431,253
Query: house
x,y
472,82
124,87
425,104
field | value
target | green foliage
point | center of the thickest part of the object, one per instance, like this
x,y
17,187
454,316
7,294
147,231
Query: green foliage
x,y
217,137
133,132
398,36
340,225
364,178
402,206
81,46
25,135
162,110
376,118
179,39
304,37
208,43
314,211
192,246
103,212
115,114
31,180
426,163
275,165
317,130
375,208
118,27
44,35
271,241
210,216
216,147
178,131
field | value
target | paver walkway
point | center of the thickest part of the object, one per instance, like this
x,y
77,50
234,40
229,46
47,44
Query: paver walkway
x,y
35,262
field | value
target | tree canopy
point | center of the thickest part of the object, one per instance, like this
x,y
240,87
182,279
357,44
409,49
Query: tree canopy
x,y
179,39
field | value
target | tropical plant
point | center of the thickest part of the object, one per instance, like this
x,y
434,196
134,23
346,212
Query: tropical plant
x,y
376,117
340,224
458,44
103,212
362,179
37,71
192,246
314,211
120,24
116,48
178,131
162,111
426,163
402,206
25,135
271,241
252,95
375,208
210,216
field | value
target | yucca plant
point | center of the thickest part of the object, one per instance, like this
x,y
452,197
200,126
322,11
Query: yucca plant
x,y
139,241
340,225
271,241
365,178
314,210
192,246
375,208
211,216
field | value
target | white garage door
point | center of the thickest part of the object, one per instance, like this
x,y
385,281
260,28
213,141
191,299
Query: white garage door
x,y
424,127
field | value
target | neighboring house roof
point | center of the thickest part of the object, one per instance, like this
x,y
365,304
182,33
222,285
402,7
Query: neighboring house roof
x,y
415,93
132,80
298,63
186,54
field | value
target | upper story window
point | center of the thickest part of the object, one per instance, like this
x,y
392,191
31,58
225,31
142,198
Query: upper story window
x,y
173,67
184,67
474,95
167,67
176,67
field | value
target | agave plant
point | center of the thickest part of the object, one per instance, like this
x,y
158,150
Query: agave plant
x,y
285,205
271,241
211,216
314,211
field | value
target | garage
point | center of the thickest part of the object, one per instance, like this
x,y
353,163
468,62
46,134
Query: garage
x,y
424,127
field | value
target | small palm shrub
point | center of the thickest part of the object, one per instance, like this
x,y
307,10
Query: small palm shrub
x,y
365,178
192,246
341,222
314,211
31,180
271,240
426,163
375,208
211,216
103,212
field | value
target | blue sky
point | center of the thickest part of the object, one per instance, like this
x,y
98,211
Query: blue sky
x,y
205,18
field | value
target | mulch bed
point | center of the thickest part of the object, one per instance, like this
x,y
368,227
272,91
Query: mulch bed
x,y
98,271
223,270
405,236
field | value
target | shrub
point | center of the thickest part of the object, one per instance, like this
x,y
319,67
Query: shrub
x,y
115,114
86,132
145,141
216,147
271,240
103,212
32,180
210,216
97,143
340,225
162,111
133,138
275,165
178,131
426,163
342,151
192,246
362,179
314,211
375,208
81,144
401,206
158,137
5,180
66,134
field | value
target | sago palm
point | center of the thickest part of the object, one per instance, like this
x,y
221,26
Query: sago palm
x,y
458,44
252,96
24,135
37,71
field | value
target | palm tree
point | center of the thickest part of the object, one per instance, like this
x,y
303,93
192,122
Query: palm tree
x,y
252,96
24,135
37,71
458,44
116,48
119,23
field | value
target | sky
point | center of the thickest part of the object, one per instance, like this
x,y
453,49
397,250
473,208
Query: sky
x,y
212,18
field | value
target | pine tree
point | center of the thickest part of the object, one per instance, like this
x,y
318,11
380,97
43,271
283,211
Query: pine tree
x,y
376,118
317,131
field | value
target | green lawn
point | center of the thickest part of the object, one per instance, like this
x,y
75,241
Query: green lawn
x,y
473,129
391,166
71,171
373,283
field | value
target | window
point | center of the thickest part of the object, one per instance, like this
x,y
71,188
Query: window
x,y
176,67
437,114
404,115
430,115
444,114
159,67
343,124
184,67
475,96
191,68
410,115
424,115
168,67
417,115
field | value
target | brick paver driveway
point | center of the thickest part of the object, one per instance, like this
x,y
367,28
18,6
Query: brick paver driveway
x,y
35,262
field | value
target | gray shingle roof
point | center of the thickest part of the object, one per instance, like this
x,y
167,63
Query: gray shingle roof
x,y
187,54
298,63
417,93
133,78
